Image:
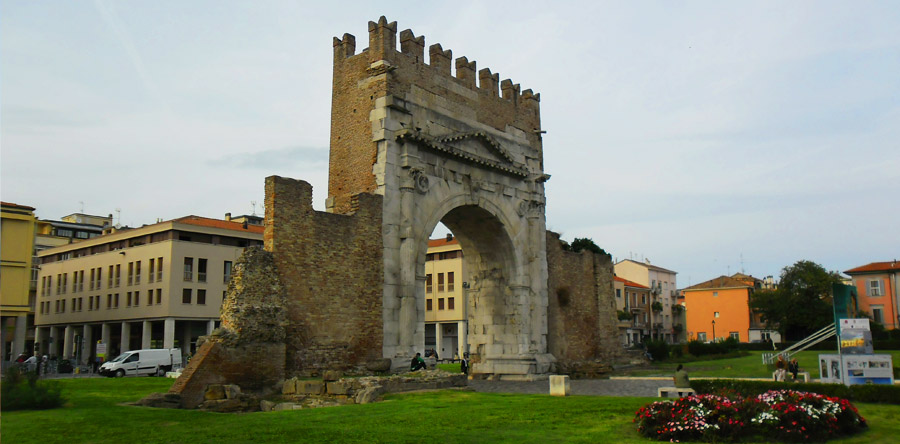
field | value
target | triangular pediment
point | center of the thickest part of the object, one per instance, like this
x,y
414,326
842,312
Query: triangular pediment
x,y
471,147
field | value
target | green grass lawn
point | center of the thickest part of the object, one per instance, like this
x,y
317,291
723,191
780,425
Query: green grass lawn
x,y
744,367
93,414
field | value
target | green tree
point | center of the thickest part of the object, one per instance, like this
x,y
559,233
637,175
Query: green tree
x,y
801,304
585,243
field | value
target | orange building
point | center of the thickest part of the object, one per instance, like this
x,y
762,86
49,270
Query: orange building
x,y
878,293
720,308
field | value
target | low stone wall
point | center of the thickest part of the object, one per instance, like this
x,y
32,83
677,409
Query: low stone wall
x,y
306,393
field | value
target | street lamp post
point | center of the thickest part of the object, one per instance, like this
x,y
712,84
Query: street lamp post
x,y
714,330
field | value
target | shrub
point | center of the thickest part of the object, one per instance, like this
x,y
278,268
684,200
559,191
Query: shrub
x,y
658,349
22,390
781,415
881,394
624,315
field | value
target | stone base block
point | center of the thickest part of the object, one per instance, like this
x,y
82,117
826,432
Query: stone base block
x,y
559,385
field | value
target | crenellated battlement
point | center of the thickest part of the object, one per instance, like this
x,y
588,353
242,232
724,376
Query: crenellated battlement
x,y
383,46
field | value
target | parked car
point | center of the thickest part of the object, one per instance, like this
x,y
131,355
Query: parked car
x,y
150,361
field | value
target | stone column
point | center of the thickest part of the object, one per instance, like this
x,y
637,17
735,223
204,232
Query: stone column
x,y
68,342
146,334
53,347
18,346
105,338
462,330
169,333
438,338
210,326
87,342
39,335
408,312
125,344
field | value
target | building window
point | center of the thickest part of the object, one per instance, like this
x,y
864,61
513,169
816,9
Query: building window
x,y
80,304
450,281
159,266
440,283
158,296
108,301
62,232
716,314
428,286
137,273
130,273
186,296
118,279
440,303
137,298
152,270
63,306
701,336
116,300
428,306
227,272
109,277
188,269
201,297
877,313
876,287
128,299
735,335
450,304
201,270
618,293
643,299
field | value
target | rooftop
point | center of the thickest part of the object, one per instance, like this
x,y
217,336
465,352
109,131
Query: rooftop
x,y
15,205
219,223
876,267
719,282
650,266
630,283
432,243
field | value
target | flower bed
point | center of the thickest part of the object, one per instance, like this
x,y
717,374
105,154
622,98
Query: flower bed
x,y
780,415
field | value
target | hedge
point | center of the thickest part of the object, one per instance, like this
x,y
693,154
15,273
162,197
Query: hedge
x,y
879,394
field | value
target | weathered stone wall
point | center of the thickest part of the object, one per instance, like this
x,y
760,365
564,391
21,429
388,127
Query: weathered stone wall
x,y
331,267
255,367
581,313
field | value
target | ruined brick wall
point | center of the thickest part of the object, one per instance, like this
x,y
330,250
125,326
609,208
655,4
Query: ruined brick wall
x,y
331,267
382,70
581,312
254,367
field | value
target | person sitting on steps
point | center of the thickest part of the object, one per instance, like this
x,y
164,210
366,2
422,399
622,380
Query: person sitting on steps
x,y
417,363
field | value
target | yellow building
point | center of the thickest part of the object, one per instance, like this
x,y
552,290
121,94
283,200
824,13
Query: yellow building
x,y
445,299
158,286
16,287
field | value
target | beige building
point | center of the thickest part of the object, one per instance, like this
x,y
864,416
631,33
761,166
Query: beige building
x,y
157,286
663,289
445,298
16,284
634,299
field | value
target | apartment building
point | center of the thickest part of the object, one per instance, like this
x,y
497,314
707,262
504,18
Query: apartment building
x,y
876,284
157,286
720,308
634,299
16,285
445,298
663,289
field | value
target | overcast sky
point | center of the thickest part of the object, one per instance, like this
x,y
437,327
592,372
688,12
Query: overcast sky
x,y
708,137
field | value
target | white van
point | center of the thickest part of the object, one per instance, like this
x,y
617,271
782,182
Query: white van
x,y
150,361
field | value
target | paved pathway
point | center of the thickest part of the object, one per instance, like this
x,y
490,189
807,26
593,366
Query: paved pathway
x,y
592,387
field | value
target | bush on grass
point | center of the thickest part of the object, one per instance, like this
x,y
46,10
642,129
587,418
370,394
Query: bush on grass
x,y
878,394
782,415
658,349
699,348
22,390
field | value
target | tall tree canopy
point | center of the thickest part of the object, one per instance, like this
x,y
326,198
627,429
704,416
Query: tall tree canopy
x,y
801,304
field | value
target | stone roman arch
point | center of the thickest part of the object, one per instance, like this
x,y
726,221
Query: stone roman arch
x,y
441,148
